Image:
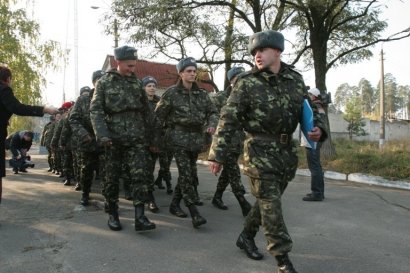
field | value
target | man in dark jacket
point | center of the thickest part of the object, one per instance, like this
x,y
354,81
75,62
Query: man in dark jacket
x,y
10,105
20,144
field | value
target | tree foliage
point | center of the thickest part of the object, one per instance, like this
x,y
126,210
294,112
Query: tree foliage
x,y
354,118
23,52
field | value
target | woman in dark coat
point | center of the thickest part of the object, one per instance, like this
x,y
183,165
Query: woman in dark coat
x,y
10,105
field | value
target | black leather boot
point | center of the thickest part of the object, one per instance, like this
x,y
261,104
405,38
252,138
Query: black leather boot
x,y
217,200
245,206
284,264
169,186
141,221
158,181
152,206
197,219
175,209
198,201
113,220
67,182
85,199
247,243
78,187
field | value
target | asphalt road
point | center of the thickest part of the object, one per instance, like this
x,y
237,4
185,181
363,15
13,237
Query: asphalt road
x,y
43,228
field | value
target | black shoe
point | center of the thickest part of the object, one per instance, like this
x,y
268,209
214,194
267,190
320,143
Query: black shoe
x,y
15,171
247,243
219,204
313,197
23,171
176,210
197,219
61,175
152,206
50,170
141,221
284,264
169,187
78,187
113,220
85,200
67,182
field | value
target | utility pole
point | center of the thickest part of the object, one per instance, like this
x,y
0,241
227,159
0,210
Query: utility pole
x,y
382,116
76,85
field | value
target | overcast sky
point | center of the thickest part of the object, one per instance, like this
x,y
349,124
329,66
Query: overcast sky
x,y
56,23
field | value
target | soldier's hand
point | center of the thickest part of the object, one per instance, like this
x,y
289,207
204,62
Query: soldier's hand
x,y
215,167
50,110
87,139
210,130
315,134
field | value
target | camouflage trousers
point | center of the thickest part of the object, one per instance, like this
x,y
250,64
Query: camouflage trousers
x,y
101,171
87,162
76,164
57,160
267,212
165,159
187,176
50,159
68,163
231,174
135,162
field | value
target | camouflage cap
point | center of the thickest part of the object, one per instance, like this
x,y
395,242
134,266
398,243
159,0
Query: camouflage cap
x,y
184,63
147,80
234,71
85,89
97,75
267,38
125,53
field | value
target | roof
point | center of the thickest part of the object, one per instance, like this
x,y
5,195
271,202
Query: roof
x,y
165,74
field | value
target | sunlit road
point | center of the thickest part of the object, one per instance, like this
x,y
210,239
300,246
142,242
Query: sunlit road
x,y
44,229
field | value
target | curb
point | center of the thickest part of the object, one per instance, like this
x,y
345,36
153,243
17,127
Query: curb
x,y
353,177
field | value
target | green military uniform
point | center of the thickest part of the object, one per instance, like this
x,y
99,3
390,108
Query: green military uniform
x,y
47,131
184,112
120,114
57,151
268,107
66,141
86,143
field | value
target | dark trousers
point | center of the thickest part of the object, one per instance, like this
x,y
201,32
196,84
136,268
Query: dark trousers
x,y
317,183
187,176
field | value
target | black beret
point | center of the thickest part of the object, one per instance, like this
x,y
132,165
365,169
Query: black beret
x,y
267,38
185,63
97,75
125,53
234,71
147,80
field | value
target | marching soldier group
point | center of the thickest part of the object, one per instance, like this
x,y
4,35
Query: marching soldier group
x,y
122,124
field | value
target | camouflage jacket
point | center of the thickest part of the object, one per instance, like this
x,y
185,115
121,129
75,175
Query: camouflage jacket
x,y
119,111
153,103
67,139
46,130
48,136
219,100
268,107
80,122
55,141
186,115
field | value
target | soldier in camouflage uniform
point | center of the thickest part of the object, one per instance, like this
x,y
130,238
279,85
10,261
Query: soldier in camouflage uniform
x,y
149,84
86,143
184,109
55,143
49,137
66,144
122,122
231,173
267,103
47,130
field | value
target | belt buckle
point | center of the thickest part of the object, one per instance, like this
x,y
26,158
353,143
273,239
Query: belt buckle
x,y
283,139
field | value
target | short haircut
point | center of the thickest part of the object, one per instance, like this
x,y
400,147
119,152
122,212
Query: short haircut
x,y
5,73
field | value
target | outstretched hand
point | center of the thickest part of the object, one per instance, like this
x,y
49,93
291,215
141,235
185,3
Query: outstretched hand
x,y
215,167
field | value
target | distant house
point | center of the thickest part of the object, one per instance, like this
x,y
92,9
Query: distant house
x,y
165,74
